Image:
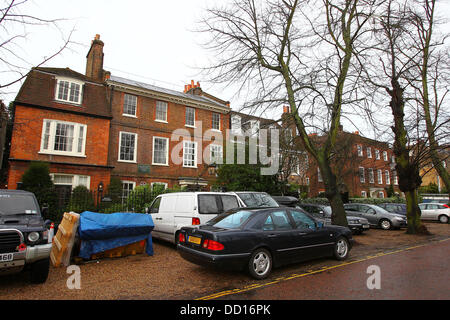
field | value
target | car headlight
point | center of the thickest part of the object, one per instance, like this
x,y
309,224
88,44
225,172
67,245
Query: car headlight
x,y
33,236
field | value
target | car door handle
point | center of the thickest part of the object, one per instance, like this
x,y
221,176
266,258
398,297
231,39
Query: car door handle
x,y
301,233
158,218
272,235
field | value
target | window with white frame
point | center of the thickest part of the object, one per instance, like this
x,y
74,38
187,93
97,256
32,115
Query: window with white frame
x,y
362,176
63,138
160,151
319,175
71,179
369,152
190,154
161,111
216,121
377,154
127,146
127,188
380,194
69,90
385,156
190,117
215,153
371,176
360,150
129,105
380,176
387,177
364,194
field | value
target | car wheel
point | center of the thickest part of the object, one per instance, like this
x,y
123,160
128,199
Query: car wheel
x,y
39,271
341,248
443,219
260,264
385,224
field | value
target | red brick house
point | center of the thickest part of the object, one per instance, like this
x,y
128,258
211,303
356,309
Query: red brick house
x,y
364,167
141,143
94,126
62,117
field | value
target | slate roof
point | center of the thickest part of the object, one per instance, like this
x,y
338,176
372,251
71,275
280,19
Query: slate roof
x,y
179,94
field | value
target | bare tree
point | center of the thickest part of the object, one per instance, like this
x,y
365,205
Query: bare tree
x,y
430,79
14,23
298,53
389,68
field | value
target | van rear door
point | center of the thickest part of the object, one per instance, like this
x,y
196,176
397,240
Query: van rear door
x,y
163,217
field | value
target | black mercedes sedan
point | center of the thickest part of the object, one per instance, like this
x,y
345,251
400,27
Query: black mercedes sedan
x,y
257,240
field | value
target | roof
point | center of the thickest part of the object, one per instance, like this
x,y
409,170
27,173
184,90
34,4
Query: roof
x,y
263,121
39,89
197,100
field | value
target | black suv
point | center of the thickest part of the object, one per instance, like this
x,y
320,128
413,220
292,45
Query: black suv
x,y
24,239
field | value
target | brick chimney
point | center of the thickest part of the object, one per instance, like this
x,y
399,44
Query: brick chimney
x,y
94,60
193,88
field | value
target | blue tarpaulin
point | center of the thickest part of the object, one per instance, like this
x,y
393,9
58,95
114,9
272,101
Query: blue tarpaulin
x,y
100,232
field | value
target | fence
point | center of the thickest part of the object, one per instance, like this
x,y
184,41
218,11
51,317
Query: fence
x,y
97,201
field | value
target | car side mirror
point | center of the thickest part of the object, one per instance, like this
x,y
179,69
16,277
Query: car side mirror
x,y
147,210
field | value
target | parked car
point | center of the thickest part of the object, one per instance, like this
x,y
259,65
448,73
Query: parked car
x,y
262,238
24,242
287,201
171,211
435,211
399,208
255,199
377,216
356,223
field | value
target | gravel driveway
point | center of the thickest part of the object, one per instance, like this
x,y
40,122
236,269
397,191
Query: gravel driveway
x,y
165,275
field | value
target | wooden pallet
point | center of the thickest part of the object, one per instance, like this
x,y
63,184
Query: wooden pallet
x,y
130,249
64,239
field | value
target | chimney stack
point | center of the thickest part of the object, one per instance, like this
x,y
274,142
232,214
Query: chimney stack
x,y
286,109
193,88
94,60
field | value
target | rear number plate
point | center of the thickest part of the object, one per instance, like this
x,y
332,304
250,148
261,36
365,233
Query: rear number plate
x,y
195,240
5,257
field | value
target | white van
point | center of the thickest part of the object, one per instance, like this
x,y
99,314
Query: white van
x,y
171,211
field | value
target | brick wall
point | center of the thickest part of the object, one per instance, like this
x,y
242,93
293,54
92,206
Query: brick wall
x,y
145,126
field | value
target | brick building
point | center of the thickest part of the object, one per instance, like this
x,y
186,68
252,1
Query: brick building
x,y
62,117
364,167
94,126
151,123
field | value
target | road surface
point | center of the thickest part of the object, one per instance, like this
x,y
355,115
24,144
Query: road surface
x,y
418,272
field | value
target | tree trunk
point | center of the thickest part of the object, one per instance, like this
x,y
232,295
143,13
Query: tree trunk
x,y
415,225
338,216
407,170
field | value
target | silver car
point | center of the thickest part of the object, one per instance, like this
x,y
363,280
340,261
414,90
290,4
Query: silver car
x,y
377,216
435,211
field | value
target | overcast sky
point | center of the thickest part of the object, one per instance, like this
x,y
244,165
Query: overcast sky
x,y
148,41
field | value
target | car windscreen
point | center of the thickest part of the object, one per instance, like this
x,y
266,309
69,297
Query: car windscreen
x,y
258,200
233,220
11,204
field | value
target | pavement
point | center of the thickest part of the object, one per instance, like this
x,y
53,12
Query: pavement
x,y
418,272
